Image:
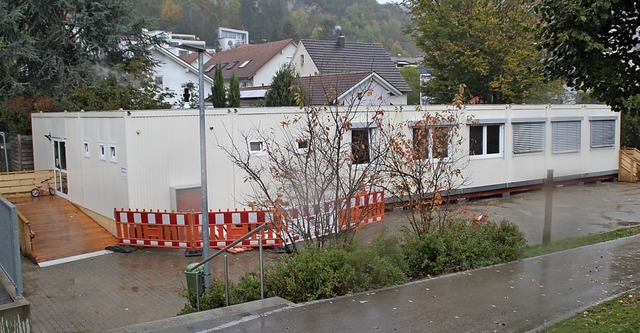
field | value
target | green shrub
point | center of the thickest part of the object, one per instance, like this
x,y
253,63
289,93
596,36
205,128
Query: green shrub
x,y
314,273
322,273
462,245
246,290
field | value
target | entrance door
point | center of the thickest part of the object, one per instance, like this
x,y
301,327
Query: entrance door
x,y
60,167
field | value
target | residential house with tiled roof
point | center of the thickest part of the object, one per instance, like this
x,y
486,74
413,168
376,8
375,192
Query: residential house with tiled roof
x,y
322,57
253,64
172,73
192,58
347,89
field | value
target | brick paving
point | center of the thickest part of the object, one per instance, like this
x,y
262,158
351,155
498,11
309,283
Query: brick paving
x,y
116,289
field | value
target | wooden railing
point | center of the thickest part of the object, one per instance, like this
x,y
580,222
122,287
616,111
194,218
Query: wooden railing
x,y
26,235
629,165
22,182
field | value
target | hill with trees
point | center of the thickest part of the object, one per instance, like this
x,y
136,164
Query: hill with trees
x,y
268,20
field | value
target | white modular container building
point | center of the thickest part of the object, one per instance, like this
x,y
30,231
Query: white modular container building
x,y
150,159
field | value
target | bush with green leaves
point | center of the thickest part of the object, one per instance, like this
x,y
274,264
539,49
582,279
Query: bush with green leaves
x,y
462,245
337,270
317,273
246,290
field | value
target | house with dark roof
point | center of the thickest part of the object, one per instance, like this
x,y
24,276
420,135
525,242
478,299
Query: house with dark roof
x,y
346,89
330,57
254,64
172,73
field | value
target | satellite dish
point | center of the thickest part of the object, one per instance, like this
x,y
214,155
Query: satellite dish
x,y
230,43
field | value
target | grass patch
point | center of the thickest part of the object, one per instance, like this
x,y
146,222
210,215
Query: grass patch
x,y
573,242
621,314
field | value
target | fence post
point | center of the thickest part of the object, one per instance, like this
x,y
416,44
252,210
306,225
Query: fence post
x,y
192,251
548,207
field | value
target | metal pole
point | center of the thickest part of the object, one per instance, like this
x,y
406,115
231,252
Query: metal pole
x,y
203,174
197,291
548,207
261,267
4,147
226,281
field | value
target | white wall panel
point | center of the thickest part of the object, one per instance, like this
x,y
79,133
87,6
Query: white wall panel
x,y
159,149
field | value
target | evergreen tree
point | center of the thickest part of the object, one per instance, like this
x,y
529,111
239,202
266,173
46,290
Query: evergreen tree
x,y
217,90
280,93
55,46
234,91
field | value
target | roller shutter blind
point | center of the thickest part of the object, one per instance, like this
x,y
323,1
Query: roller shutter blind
x,y
603,133
565,136
528,138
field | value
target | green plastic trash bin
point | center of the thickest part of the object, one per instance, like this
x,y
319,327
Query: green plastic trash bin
x,y
195,278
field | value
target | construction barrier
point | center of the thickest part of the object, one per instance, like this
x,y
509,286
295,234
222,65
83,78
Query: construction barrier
x,y
317,220
226,227
184,229
156,229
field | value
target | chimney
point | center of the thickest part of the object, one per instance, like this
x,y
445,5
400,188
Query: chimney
x,y
341,41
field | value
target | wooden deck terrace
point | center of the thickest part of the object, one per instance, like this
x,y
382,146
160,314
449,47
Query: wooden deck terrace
x,y
60,229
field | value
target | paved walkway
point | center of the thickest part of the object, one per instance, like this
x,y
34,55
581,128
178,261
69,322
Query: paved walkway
x,y
116,290
515,297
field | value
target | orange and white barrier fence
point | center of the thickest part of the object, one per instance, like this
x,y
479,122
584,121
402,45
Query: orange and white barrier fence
x,y
156,229
226,227
359,211
184,229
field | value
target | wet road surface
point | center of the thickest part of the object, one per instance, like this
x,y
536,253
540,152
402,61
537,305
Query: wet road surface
x,y
515,297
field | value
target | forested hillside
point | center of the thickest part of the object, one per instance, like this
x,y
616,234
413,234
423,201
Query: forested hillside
x,y
267,20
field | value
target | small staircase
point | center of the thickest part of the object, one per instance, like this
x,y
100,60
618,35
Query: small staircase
x,y
629,165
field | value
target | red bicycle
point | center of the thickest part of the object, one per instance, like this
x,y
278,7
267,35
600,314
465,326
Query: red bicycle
x,y
44,188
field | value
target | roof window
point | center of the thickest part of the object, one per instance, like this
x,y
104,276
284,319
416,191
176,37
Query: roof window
x,y
231,65
244,63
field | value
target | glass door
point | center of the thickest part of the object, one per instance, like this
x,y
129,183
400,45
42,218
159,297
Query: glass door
x,y
60,167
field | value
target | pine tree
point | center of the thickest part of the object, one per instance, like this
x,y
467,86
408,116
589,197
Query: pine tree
x,y
280,93
234,91
217,90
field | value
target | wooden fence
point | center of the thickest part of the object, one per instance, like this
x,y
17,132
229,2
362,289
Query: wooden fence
x,y
21,153
629,167
22,182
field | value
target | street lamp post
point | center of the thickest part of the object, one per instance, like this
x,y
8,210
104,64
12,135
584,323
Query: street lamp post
x,y
203,163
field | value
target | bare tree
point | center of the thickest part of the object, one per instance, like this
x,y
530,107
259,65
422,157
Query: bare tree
x,y
423,164
313,165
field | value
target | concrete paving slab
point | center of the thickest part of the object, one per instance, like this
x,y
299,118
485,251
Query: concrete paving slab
x,y
204,320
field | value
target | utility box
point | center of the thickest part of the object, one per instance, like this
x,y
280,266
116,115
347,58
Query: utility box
x,y
195,278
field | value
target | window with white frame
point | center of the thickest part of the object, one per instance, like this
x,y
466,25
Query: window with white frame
x,y
431,142
102,151
85,149
112,153
486,140
360,145
302,146
565,136
603,133
257,148
528,138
